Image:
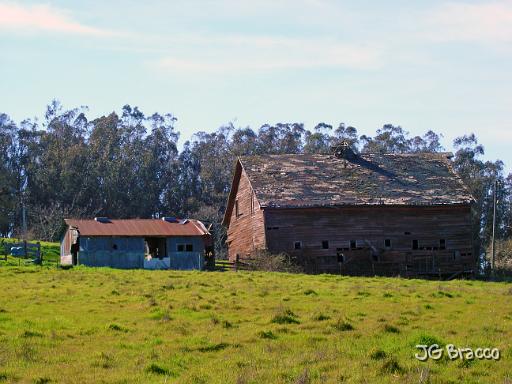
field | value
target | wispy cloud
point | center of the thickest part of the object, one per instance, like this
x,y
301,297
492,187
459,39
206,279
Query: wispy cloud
x,y
489,22
42,17
235,53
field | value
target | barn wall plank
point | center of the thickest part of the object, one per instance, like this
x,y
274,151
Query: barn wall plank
x,y
246,231
369,227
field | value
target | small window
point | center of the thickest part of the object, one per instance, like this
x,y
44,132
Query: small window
x,y
325,244
415,244
353,244
114,246
407,233
442,244
297,245
387,243
185,247
237,211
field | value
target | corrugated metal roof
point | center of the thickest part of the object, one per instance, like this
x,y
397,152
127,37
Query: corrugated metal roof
x,y
138,227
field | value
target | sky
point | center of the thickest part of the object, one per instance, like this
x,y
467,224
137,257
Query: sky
x,y
439,65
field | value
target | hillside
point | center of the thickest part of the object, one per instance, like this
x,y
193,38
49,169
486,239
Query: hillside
x,y
102,325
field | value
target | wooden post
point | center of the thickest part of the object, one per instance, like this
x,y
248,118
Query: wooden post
x,y
493,243
39,254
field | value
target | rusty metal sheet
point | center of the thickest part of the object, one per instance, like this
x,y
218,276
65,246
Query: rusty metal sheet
x,y
138,227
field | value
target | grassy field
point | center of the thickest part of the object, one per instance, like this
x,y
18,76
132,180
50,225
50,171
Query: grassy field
x,y
94,325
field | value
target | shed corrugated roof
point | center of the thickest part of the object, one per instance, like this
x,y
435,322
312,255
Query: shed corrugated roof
x,y
368,179
138,227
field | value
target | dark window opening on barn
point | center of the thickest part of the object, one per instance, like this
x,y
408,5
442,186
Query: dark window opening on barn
x,y
155,247
407,233
415,244
237,210
387,243
353,244
297,245
325,244
114,247
185,247
442,244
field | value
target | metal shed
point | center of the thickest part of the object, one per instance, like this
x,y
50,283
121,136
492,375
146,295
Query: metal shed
x,y
167,243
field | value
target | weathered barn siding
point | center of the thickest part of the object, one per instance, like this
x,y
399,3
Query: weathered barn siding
x,y
186,260
100,252
115,252
369,227
65,245
246,229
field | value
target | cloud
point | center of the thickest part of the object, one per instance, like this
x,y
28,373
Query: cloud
x,y
235,53
489,22
42,17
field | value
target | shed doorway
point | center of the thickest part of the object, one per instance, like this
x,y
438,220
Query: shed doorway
x,y
155,247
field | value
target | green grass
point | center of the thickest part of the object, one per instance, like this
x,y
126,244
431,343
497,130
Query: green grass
x,y
50,251
98,325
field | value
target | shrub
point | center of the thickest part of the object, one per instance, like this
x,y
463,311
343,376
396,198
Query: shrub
x,y
286,317
267,335
426,339
213,347
321,317
503,259
343,325
391,366
158,370
31,334
378,354
117,328
266,261
391,329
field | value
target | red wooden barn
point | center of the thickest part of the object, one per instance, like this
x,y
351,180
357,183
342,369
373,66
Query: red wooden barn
x,y
389,214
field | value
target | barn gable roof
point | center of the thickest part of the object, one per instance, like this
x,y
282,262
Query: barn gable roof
x,y
138,227
307,180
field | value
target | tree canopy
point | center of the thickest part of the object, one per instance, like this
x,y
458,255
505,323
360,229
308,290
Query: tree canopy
x,y
128,165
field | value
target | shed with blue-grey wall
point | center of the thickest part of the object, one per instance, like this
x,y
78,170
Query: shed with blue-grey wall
x,y
167,243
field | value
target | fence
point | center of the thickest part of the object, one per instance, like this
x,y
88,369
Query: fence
x,y
226,265
22,250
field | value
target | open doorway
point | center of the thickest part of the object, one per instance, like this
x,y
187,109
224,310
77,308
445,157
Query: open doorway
x,y
75,246
155,247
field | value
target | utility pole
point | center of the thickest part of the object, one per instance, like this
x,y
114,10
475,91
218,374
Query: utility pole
x,y
493,243
24,216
